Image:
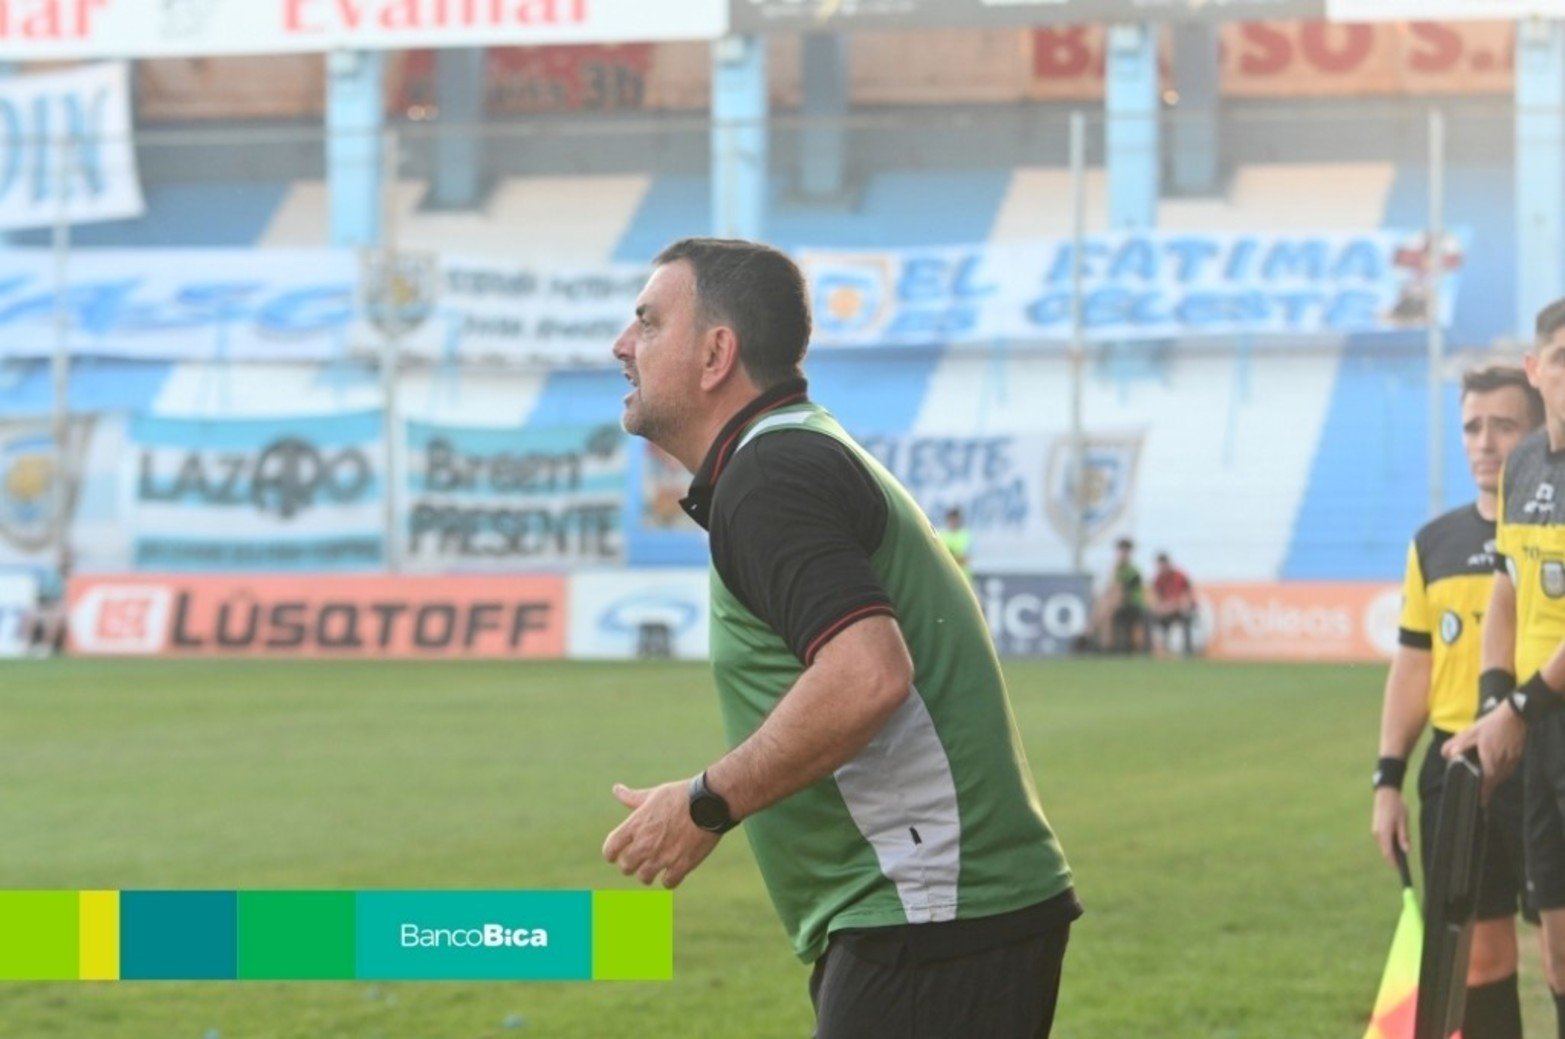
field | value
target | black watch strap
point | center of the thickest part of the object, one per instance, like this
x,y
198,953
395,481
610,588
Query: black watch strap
x,y
708,810
1535,699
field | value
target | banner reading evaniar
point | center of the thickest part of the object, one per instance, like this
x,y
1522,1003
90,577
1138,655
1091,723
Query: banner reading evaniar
x,y
47,29
366,616
1152,285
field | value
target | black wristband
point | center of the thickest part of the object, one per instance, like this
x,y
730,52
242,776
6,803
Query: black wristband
x,y
1390,772
1535,699
1494,685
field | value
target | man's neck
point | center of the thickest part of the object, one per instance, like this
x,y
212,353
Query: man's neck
x,y
1556,427
1488,505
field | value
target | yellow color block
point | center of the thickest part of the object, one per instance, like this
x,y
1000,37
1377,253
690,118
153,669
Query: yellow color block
x,y
100,935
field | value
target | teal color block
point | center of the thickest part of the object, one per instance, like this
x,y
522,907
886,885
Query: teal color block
x,y
178,936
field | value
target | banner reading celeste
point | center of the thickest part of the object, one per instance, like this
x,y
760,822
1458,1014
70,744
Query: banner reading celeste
x,y
1154,285
483,498
301,493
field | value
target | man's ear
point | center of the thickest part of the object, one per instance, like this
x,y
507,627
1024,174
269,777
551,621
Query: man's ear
x,y
719,357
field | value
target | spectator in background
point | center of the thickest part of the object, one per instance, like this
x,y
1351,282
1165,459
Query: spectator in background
x,y
958,540
1173,604
1121,611
49,618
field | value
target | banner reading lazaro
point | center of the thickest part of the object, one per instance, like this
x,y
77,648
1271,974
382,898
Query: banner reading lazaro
x,y
1149,285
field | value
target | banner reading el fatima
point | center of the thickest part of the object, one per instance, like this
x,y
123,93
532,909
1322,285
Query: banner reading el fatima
x,y
255,494
32,30
1150,285
519,498
78,119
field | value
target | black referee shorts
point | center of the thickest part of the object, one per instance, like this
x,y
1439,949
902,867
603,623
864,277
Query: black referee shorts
x,y
865,990
1502,886
1544,767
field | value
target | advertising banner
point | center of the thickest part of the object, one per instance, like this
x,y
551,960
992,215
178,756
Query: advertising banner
x,y
516,498
18,598
1305,59
1035,615
99,180
37,30
358,616
624,614
301,493
1147,285
1299,621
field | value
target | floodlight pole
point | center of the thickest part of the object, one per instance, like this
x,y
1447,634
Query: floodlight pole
x,y
1078,348
391,354
61,363
1435,345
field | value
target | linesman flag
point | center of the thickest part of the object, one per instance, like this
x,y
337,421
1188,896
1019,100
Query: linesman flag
x,y
1396,1005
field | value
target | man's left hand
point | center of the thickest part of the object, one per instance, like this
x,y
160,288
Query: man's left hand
x,y
659,836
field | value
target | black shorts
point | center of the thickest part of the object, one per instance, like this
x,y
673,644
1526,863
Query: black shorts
x,y
1500,888
867,991
1543,766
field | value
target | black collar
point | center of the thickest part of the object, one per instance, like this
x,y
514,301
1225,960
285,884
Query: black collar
x,y
698,502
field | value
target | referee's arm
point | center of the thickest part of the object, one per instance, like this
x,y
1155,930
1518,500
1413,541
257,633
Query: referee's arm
x,y
1402,718
1500,735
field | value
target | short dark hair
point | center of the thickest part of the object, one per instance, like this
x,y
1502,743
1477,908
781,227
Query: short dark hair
x,y
758,292
1124,544
1550,320
1500,377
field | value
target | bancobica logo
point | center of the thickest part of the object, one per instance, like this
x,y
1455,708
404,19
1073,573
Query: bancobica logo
x,y
288,476
1450,627
489,936
1483,560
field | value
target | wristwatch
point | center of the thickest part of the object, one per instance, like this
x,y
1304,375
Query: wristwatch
x,y
708,810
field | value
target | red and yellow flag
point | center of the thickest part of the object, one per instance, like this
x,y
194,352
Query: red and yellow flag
x,y
1397,1003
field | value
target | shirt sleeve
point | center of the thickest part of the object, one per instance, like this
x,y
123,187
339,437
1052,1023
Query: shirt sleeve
x,y
1414,628
795,522
1502,548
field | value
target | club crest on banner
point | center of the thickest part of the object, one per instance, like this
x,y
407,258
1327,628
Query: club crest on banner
x,y
27,475
399,290
1104,490
852,294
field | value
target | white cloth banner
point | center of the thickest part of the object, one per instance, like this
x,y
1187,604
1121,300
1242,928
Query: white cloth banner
x,y
81,119
1147,285
1441,10
32,30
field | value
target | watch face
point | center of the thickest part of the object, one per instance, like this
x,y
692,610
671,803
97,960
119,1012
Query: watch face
x,y
709,813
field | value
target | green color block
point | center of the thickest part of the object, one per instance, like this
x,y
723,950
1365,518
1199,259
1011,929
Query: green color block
x,y
296,935
632,935
39,936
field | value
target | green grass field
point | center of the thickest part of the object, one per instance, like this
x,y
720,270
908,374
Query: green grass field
x,y
1216,817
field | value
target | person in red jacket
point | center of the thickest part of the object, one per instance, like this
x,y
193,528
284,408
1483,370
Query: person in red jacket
x,y
1173,603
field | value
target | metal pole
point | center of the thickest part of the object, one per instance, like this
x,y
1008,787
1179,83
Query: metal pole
x,y
61,240
1432,324
1078,347
391,355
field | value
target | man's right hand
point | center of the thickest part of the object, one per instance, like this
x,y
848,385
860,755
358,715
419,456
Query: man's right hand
x,y
1389,823
1499,737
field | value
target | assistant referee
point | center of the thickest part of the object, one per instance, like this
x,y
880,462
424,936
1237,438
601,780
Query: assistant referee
x,y
1434,680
